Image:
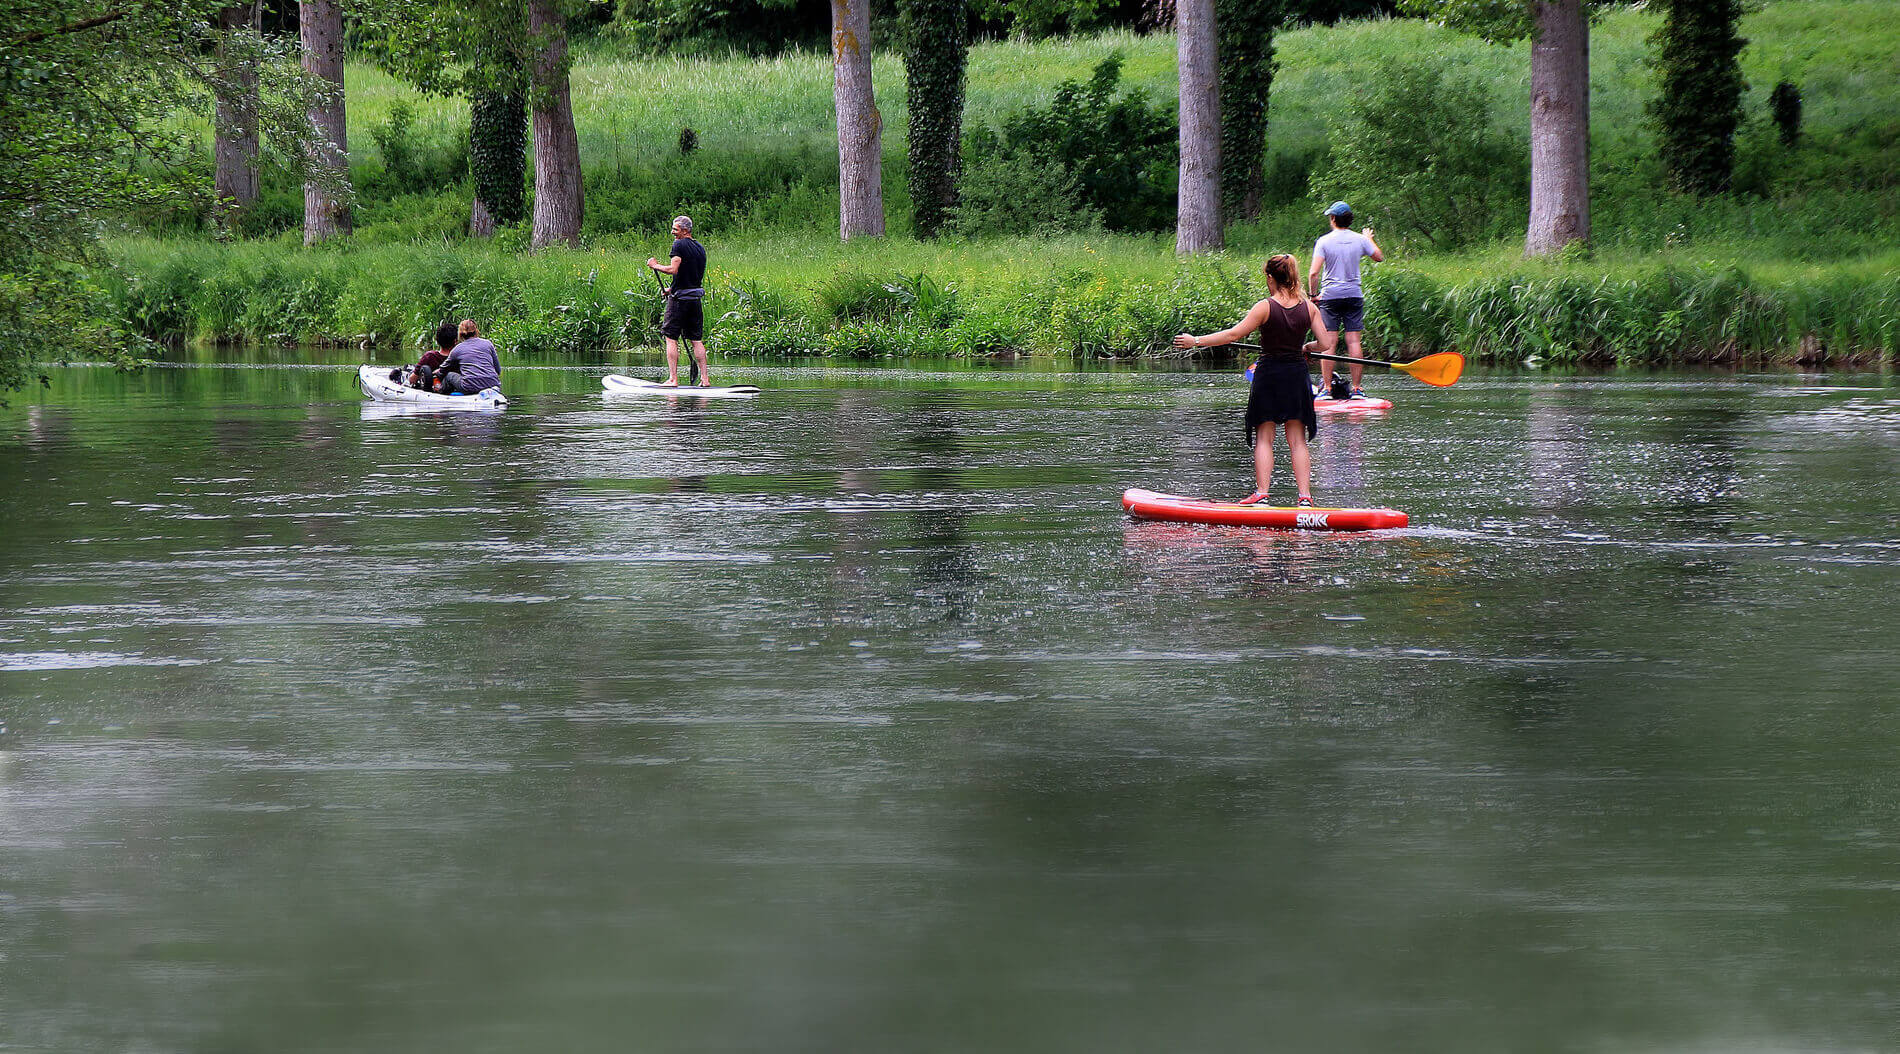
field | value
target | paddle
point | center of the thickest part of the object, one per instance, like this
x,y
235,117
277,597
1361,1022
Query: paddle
x,y
1440,370
692,364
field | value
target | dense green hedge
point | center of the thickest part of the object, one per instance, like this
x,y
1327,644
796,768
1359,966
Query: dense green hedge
x,y
1071,300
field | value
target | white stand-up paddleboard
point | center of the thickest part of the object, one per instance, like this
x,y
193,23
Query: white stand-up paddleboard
x,y
380,386
617,384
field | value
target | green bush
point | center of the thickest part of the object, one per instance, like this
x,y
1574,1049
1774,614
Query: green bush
x,y
1417,154
1117,153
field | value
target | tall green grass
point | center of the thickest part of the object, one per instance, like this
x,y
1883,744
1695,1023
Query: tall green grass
x,y
1106,296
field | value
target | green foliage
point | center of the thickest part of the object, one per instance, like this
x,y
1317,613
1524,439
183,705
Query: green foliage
x,y
498,152
936,52
1698,103
1246,77
87,100
1004,193
1117,150
703,26
1119,298
1784,107
1417,155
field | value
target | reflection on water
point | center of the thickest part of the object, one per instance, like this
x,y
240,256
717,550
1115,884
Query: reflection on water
x,y
857,717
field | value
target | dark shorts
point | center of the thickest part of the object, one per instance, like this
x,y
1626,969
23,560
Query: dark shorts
x,y
1346,314
684,318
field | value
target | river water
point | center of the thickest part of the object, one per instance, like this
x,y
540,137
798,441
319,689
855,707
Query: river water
x,y
857,717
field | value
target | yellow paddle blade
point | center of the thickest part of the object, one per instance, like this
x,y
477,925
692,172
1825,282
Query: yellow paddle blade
x,y
1440,370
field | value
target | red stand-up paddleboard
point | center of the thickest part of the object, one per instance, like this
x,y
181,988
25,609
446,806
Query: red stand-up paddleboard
x,y
1148,505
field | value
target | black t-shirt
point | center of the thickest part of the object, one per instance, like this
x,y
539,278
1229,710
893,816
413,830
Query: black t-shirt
x,y
692,263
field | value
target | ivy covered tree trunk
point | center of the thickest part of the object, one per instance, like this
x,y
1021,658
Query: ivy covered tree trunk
x,y
1197,223
497,159
1699,104
557,147
326,210
1560,126
936,52
1246,76
860,127
234,124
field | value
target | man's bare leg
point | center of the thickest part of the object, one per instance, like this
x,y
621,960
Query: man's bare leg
x,y
1352,349
699,358
672,362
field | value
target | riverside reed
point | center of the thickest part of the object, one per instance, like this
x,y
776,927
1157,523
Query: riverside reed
x,y
1103,296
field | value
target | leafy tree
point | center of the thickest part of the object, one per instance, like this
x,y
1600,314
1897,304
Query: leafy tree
x,y
87,99
1417,150
1560,103
478,49
557,147
1699,104
936,51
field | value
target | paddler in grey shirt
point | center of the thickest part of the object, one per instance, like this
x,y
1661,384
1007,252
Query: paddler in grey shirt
x,y
685,315
1342,302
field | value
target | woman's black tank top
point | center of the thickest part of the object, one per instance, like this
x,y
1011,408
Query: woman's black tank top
x,y
1283,334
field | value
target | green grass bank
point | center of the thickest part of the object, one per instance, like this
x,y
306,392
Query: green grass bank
x,y
1074,296
1799,263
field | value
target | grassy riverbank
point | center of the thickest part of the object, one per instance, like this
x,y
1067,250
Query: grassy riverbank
x,y
1798,263
1075,296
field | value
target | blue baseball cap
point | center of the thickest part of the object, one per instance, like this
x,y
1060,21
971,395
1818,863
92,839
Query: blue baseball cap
x,y
1338,208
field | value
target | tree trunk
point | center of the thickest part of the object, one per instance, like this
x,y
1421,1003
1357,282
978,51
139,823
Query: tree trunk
x,y
1560,127
557,148
860,127
326,209
1197,226
234,143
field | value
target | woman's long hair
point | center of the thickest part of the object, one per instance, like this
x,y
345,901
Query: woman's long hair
x,y
1283,273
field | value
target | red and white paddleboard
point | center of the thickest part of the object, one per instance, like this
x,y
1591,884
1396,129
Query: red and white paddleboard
x,y
1362,405
1148,505
1325,405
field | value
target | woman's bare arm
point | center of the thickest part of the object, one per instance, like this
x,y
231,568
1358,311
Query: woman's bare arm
x,y
1226,336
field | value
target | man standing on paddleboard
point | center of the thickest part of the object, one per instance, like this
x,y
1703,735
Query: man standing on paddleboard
x,y
1342,302
685,314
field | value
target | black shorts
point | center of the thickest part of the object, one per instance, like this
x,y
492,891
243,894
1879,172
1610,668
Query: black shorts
x,y
1346,314
684,318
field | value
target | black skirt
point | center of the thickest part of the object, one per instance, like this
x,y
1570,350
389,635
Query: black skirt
x,y
1281,392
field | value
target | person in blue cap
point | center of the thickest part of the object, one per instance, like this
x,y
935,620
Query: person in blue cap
x,y
1342,302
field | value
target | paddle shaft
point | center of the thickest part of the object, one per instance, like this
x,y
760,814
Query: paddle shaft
x,y
692,364
1324,355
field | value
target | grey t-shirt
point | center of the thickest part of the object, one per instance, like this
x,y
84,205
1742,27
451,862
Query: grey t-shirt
x,y
1342,251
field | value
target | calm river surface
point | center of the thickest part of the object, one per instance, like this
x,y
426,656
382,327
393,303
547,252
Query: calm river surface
x,y
857,717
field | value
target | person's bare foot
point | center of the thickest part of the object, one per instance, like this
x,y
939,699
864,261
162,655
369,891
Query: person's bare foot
x,y
670,382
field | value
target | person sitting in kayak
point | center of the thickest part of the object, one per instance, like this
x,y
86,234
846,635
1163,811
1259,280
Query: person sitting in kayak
x,y
423,374
472,365
1280,393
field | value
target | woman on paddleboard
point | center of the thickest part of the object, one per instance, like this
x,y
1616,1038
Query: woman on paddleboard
x,y
1281,394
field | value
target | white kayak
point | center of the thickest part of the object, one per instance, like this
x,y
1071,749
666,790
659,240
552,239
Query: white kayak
x,y
618,384
378,385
